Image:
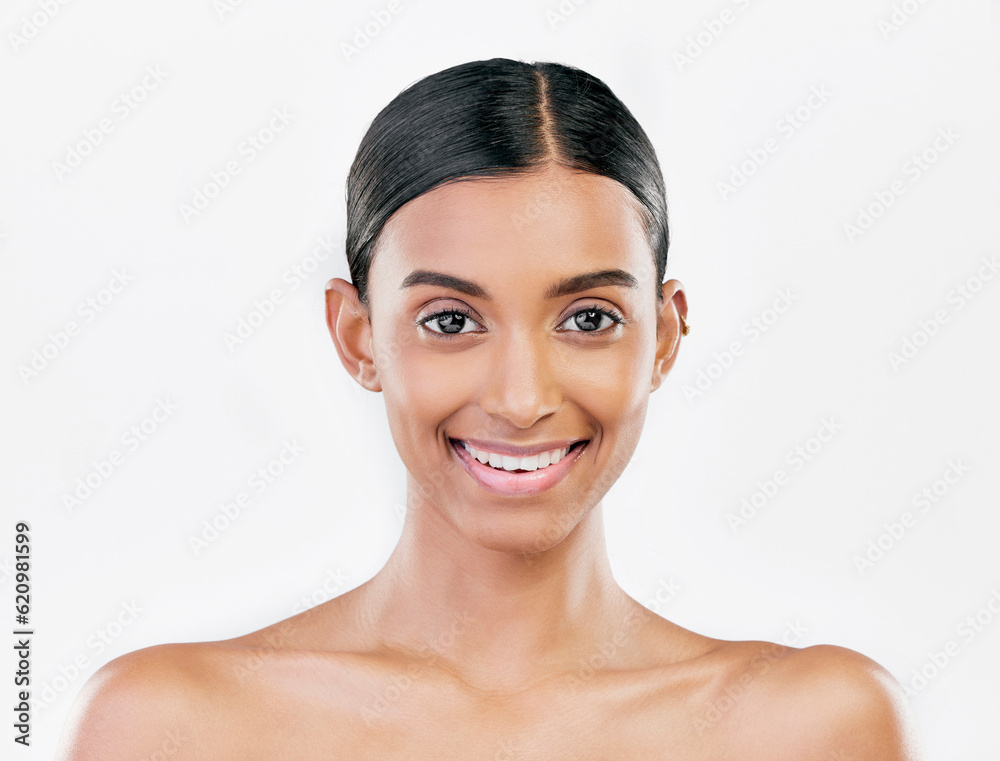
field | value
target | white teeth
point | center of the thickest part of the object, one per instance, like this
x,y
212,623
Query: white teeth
x,y
506,462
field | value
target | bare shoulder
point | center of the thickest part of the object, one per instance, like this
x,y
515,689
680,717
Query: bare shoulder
x,y
829,703
188,700
157,700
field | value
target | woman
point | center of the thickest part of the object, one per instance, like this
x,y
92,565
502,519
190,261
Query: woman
x,y
507,241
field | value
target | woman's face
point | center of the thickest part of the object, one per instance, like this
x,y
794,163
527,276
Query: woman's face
x,y
516,313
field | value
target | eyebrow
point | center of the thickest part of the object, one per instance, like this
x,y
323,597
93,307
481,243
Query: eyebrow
x,y
564,287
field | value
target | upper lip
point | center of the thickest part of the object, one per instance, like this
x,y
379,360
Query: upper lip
x,y
500,447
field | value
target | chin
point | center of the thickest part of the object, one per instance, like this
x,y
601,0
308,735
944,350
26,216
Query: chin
x,y
523,532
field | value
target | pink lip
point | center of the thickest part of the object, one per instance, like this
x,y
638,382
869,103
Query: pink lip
x,y
508,483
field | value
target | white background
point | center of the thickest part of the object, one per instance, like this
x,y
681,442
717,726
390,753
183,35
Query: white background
x,y
334,515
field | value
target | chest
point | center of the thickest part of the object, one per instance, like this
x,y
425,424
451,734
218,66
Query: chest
x,y
407,716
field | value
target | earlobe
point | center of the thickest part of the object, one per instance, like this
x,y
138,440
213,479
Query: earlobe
x,y
670,326
350,329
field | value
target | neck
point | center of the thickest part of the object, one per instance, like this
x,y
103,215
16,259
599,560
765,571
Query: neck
x,y
500,620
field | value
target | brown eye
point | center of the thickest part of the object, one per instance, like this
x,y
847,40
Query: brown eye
x,y
593,320
449,322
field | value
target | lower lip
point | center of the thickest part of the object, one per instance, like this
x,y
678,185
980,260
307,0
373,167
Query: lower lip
x,y
510,483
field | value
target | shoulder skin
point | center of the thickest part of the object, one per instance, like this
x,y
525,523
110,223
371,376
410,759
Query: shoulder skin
x,y
160,701
830,703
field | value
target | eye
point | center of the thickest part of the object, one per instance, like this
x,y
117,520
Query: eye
x,y
593,319
449,322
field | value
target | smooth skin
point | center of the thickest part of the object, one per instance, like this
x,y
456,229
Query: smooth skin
x,y
496,630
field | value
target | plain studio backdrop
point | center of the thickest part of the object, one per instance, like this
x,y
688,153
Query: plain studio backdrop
x,y
194,463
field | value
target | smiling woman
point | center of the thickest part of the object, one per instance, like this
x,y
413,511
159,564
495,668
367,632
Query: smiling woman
x,y
507,241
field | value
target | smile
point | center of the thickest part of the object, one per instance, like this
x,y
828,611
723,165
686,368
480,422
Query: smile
x,y
506,462
506,474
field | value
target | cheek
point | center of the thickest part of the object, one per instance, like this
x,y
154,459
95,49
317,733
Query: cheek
x,y
420,387
613,384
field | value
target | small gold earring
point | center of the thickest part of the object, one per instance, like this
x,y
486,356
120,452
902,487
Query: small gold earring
x,y
687,328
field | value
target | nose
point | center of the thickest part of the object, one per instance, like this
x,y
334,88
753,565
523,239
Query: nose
x,y
521,385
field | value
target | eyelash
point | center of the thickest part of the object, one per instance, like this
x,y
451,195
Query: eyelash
x,y
444,312
615,317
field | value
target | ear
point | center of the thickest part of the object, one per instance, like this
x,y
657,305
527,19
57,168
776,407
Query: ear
x,y
668,330
350,328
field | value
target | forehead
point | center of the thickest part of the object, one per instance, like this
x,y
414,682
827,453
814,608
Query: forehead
x,y
555,220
